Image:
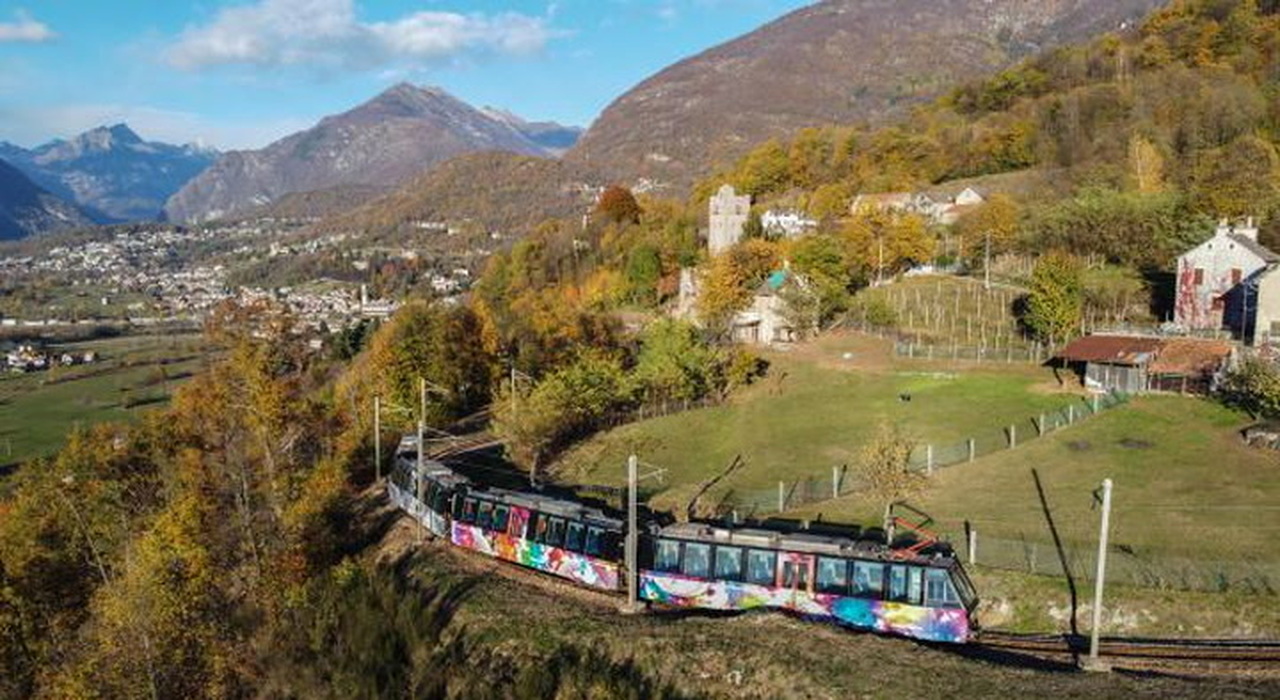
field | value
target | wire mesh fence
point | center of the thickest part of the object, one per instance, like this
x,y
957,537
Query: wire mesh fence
x,y
1126,566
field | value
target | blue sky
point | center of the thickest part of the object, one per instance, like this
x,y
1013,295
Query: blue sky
x,y
241,73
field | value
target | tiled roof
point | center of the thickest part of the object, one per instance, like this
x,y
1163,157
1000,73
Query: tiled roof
x,y
1191,357
1111,349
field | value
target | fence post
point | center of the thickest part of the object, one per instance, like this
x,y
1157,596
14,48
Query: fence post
x,y
1040,425
1013,436
1071,413
835,482
928,459
1094,398
973,449
782,496
973,547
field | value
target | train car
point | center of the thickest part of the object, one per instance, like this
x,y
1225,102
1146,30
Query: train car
x,y
556,536
853,582
559,537
431,502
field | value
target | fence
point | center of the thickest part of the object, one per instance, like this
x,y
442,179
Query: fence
x,y
1033,354
1125,565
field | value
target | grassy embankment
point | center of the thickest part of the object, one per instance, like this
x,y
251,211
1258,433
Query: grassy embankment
x,y
133,374
1186,487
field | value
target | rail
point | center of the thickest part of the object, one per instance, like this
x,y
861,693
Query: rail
x,y
1253,651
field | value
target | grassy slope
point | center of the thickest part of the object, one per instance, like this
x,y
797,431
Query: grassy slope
x,y
814,411
37,409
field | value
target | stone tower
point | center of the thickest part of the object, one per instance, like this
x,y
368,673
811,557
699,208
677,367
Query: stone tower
x,y
729,214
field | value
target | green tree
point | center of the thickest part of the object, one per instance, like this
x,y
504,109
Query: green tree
x,y
675,363
1253,387
1056,298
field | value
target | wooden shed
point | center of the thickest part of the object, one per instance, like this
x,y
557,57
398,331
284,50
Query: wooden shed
x,y
1112,362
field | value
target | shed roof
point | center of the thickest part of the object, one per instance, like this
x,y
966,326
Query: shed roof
x,y
1112,349
1191,356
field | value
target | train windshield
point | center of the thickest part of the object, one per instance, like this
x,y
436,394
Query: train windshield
x,y
968,594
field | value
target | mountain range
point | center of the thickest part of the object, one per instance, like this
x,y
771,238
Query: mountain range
x,y
833,62
110,172
26,208
379,144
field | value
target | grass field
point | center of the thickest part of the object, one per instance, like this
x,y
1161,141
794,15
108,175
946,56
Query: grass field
x,y
1186,486
814,411
37,409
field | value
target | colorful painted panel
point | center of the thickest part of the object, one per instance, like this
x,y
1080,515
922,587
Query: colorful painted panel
x,y
919,622
583,569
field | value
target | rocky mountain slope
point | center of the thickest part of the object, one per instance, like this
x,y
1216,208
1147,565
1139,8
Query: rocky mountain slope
x,y
382,143
837,61
110,172
27,209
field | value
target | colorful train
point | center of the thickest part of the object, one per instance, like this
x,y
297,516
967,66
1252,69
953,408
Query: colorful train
x,y
855,582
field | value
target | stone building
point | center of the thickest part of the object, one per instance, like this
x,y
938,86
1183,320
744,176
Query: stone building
x,y
729,214
1218,283
769,320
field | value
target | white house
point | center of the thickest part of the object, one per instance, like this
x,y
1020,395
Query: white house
x,y
1218,282
786,224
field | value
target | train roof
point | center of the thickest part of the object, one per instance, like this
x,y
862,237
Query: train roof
x,y
805,542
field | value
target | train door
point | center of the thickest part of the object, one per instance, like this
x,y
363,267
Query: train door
x,y
795,575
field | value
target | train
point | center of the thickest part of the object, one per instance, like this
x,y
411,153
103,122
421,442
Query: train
x,y
862,583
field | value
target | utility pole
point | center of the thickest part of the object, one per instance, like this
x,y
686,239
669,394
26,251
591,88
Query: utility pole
x,y
377,439
1093,663
513,389
633,537
986,263
880,264
422,473
422,399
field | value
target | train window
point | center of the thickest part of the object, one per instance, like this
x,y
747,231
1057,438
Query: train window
x,y
833,576
667,558
762,567
440,501
868,579
501,514
697,560
457,507
538,527
573,536
729,563
484,515
964,587
555,534
469,510
938,590
595,541
906,584
795,572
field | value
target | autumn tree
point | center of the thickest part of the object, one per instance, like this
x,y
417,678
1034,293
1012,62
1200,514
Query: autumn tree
x,y
884,469
1056,299
675,363
885,242
998,218
618,205
731,279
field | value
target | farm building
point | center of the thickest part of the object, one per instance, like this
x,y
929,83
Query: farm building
x,y
1218,282
1138,364
770,319
1111,362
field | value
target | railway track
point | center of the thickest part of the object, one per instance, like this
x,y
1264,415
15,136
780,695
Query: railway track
x,y
1263,652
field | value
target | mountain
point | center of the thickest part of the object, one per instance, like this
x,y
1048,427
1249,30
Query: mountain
x,y
519,192
381,143
837,61
554,137
27,209
111,172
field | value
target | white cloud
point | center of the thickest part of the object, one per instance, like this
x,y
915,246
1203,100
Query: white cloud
x,y
31,126
25,29
328,34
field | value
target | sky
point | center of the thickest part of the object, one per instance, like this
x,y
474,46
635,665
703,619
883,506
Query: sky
x,y
242,73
